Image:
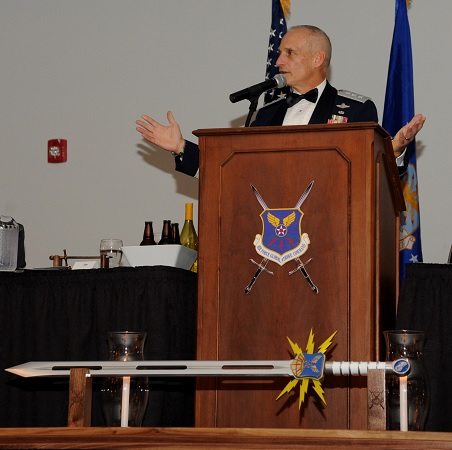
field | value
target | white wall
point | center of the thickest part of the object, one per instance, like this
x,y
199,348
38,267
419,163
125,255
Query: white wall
x,y
86,69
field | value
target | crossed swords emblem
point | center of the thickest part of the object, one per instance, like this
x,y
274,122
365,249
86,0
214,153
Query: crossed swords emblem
x,y
301,266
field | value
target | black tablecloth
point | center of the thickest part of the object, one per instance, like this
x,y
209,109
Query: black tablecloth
x,y
65,315
426,304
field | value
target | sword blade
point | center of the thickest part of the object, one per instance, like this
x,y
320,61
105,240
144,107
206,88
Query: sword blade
x,y
304,195
156,368
259,198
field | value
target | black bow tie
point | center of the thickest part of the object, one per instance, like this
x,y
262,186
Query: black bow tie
x,y
310,96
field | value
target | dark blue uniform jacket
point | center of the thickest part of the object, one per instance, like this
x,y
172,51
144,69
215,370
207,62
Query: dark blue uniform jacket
x,y
354,107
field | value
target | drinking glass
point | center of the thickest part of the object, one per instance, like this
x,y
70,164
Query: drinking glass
x,y
112,249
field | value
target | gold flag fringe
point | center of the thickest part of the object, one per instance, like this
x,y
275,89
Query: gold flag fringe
x,y
285,5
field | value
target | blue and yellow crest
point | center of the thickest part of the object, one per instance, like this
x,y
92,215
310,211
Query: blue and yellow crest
x,y
281,240
308,365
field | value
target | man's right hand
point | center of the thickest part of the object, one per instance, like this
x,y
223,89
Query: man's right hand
x,y
168,137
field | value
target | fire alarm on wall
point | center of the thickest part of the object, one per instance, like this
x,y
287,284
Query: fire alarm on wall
x,y
57,150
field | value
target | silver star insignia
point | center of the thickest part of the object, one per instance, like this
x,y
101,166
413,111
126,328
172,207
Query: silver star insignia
x,y
413,258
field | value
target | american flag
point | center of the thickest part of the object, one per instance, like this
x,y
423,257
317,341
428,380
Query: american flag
x,y
280,9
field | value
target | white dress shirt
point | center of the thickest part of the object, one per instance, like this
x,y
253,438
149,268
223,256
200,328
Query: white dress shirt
x,y
301,112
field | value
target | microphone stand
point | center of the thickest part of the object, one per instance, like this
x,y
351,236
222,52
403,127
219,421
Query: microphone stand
x,y
252,109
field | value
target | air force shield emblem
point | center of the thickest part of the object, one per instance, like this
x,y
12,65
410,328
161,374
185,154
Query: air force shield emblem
x,y
281,240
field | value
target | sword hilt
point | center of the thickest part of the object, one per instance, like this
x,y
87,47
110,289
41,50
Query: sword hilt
x,y
400,367
261,268
300,266
262,265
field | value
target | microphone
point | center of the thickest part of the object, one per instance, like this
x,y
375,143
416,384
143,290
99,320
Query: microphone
x,y
278,81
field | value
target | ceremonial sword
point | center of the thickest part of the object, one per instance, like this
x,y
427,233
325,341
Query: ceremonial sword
x,y
267,368
261,266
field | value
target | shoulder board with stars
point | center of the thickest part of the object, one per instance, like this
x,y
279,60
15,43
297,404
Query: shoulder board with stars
x,y
353,96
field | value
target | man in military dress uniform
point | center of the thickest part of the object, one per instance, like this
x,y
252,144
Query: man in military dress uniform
x,y
305,54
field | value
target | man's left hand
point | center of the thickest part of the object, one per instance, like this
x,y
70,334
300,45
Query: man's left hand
x,y
407,133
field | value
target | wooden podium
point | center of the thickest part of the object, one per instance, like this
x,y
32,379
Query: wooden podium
x,y
352,219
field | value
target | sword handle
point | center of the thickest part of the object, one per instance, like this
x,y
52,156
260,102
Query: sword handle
x,y
253,280
314,287
261,267
302,269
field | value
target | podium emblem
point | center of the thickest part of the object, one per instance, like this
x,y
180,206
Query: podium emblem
x,y
281,239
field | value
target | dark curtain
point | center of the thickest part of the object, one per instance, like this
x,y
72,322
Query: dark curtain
x,y
65,315
426,305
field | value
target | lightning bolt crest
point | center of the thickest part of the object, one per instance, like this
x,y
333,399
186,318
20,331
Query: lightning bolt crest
x,y
324,346
319,390
310,344
304,382
294,346
289,386
303,390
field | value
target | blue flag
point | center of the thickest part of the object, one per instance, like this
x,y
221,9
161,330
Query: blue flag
x,y
398,110
277,30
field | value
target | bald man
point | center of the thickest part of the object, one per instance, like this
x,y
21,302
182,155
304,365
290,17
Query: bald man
x,y
304,59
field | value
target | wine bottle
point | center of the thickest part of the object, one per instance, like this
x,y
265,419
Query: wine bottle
x,y
188,236
166,233
175,236
148,234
